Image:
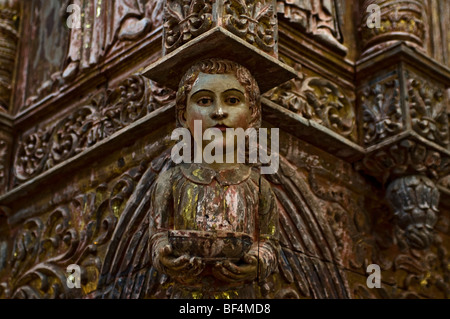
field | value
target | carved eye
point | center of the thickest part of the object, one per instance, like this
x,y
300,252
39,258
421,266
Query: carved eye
x,y
232,100
205,101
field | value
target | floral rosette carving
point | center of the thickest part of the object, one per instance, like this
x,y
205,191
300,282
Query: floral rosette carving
x,y
382,115
253,21
185,20
32,154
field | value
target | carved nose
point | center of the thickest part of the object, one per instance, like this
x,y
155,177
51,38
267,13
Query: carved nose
x,y
218,113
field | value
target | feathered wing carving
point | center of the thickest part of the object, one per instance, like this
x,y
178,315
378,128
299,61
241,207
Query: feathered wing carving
x,y
308,245
309,250
127,272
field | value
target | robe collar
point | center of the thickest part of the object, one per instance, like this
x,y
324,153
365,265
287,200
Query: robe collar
x,y
201,174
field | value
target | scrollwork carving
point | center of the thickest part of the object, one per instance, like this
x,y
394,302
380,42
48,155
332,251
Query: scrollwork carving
x,y
409,274
33,154
319,100
103,115
406,270
71,234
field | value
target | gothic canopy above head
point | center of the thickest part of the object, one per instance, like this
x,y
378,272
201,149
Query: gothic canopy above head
x,y
268,71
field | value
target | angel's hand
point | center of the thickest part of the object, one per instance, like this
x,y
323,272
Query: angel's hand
x,y
230,272
183,266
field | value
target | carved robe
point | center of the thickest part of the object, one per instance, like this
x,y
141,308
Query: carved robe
x,y
100,24
316,17
312,14
193,197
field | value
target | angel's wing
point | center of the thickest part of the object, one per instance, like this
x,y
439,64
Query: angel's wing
x,y
127,271
308,245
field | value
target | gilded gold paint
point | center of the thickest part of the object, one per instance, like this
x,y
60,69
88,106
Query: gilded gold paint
x,y
99,8
272,229
189,210
197,295
196,173
116,210
424,282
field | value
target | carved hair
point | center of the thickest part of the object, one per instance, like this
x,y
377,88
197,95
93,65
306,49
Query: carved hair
x,y
220,66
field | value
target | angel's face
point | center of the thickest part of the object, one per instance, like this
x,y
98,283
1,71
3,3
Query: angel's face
x,y
219,101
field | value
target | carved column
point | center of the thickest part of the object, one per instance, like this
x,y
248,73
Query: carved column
x,y
402,106
404,128
9,15
403,20
9,18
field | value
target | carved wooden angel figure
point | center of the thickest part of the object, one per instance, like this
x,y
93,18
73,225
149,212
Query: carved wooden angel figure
x,y
220,230
214,226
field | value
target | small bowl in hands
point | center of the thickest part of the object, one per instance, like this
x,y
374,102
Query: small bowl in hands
x,y
210,245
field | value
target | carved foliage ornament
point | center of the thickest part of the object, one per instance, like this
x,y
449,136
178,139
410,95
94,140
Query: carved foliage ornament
x,y
382,115
415,200
185,20
72,233
428,110
105,114
403,158
251,20
423,273
407,270
319,100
